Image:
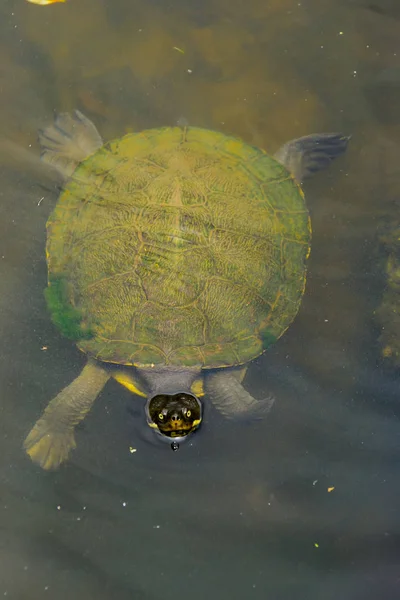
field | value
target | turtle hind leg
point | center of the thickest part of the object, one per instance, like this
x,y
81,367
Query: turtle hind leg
x,y
231,399
306,155
68,141
52,437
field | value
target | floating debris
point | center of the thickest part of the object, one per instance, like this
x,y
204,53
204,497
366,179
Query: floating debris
x,y
132,450
178,49
44,2
330,489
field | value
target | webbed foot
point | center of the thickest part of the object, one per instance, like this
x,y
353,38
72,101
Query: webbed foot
x,y
52,437
68,141
49,446
232,400
306,155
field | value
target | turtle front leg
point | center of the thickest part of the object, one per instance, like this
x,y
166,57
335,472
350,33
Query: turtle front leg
x,y
231,399
52,437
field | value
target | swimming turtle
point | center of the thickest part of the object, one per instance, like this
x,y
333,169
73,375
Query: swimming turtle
x,y
175,257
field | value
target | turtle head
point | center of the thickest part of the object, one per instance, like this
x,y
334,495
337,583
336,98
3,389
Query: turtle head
x,y
173,410
174,416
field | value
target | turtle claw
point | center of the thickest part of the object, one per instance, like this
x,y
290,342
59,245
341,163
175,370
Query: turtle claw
x,y
48,447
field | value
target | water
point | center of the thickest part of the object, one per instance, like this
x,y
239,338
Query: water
x,y
241,512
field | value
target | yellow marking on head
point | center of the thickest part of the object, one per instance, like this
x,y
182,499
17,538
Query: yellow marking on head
x,y
197,388
127,380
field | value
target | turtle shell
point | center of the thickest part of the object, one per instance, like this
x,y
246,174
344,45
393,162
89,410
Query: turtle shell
x,y
177,247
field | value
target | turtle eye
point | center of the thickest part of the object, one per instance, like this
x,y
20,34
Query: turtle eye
x,y
161,416
188,413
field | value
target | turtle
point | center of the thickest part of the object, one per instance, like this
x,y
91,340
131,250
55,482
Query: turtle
x,y
176,256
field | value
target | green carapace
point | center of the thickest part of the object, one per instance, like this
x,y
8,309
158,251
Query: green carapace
x,y
178,248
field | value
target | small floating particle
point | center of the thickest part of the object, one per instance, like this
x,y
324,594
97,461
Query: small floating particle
x,y
189,71
178,49
316,545
315,481
132,450
44,348
330,489
44,2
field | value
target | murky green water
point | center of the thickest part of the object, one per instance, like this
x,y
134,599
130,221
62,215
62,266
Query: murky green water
x,y
241,512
